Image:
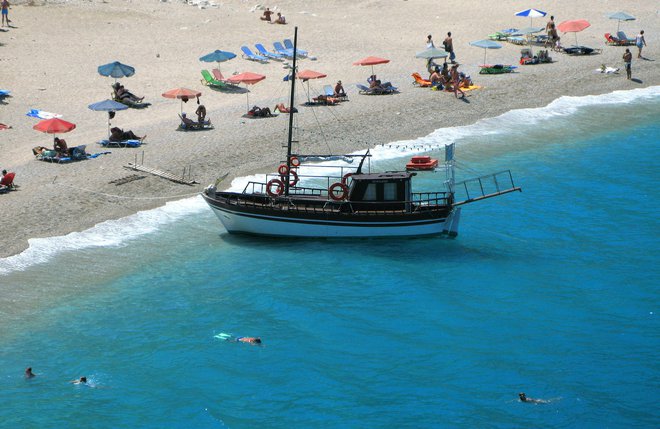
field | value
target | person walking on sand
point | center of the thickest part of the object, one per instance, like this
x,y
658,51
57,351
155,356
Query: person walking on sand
x,y
5,12
449,47
627,61
455,81
640,42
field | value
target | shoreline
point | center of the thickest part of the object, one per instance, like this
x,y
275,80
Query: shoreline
x,y
53,201
228,182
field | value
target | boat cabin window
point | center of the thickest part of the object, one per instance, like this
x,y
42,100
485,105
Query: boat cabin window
x,y
371,193
390,192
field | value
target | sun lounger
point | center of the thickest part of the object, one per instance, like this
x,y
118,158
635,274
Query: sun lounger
x,y
4,93
376,91
289,45
329,91
249,55
496,68
123,143
217,74
209,80
517,40
131,103
194,126
419,81
288,53
262,50
623,39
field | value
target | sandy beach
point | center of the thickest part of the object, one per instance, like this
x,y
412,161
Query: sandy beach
x,y
49,61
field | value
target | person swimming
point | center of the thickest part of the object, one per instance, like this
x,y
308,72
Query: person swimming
x,y
229,337
29,373
524,398
81,380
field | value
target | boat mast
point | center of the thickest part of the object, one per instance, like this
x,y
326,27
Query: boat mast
x,y
291,110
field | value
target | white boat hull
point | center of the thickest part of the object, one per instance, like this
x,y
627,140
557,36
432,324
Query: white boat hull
x,y
237,222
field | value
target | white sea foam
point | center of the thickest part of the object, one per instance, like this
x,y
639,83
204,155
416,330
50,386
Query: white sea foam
x,y
115,233
112,233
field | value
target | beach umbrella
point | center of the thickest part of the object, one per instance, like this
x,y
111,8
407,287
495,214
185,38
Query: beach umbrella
x,y
621,16
573,26
248,78
116,70
531,13
183,94
431,53
306,75
108,106
529,31
371,61
217,57
486,44
54,126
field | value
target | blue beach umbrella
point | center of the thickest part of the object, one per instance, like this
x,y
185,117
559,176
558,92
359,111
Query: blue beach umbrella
x,y
621,16
485,45
107,106
217,57
531,13
116,70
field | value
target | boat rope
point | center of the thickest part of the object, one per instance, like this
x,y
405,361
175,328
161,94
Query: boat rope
x,y
129,197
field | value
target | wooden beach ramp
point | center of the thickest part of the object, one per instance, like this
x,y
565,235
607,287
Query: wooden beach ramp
x,y
165,175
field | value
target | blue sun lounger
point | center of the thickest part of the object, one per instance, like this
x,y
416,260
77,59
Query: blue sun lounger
x,y
262,51
282,50
248,54
123,143
289,45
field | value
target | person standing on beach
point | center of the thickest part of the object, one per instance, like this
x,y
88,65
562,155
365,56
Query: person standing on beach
x,y
640,42
429,42
5,12
449,47
456,81
627,60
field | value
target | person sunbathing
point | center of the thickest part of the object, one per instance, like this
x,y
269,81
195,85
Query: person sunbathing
x,y
260,112
464,80
436,79
123,94
187,123
118,135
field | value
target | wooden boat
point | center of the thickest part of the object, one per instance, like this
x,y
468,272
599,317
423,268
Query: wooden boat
x,y
348,201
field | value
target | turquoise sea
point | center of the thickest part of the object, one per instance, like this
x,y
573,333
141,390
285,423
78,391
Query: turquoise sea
x,y
552,292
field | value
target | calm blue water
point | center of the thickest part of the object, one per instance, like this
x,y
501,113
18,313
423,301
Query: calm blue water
x,y
553,291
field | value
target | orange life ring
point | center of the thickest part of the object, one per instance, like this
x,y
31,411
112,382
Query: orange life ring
x,y
341,196
293,178
283,169
278,191
345,177
294,161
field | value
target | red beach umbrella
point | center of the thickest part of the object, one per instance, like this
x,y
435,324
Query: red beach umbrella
x,y
573,26
371,61
247,78
306,75
183,94
54,126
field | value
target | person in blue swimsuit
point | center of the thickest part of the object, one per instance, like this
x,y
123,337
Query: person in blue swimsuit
x,y
5,12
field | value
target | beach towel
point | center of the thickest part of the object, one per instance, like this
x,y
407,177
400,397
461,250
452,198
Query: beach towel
x,y
41,114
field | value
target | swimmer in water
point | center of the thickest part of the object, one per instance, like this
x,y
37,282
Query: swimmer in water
x,y
524,398
81,380
29,373
250,340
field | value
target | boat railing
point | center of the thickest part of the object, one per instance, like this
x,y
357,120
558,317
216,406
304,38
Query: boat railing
x,y
480,188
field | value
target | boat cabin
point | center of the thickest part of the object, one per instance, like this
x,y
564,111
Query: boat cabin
x,y
381,191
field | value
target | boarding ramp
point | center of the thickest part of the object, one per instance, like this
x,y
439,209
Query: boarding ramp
x,y
480,188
